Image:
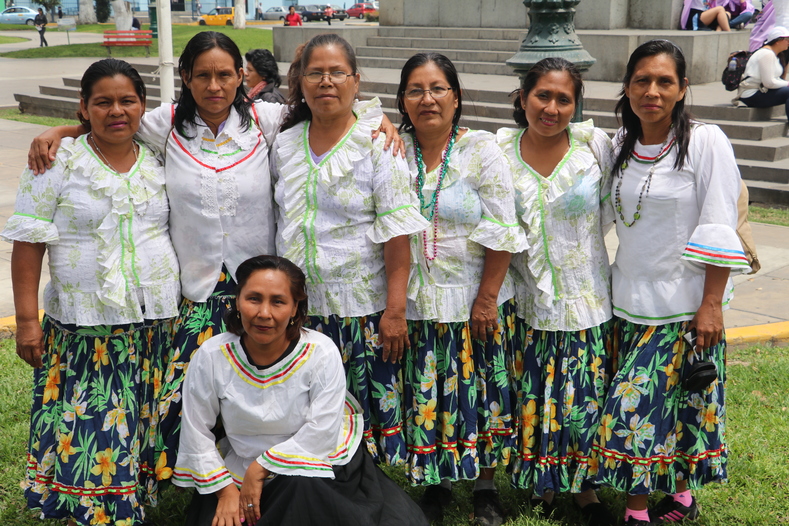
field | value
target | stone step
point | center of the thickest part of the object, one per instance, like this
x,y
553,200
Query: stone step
x,y
705,112
747,130
71,94
768,193
151,88
767,150
453,33
769,172
480,68
404,53
433,43
49,106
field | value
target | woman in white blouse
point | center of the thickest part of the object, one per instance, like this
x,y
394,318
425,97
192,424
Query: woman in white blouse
x,y
101,214
562,177
458,401
763,84
675,190
291,455
344,212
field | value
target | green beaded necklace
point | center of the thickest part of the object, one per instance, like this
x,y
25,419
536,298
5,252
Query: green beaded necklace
x,y
662,153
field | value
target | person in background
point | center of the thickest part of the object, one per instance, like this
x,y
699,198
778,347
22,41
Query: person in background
x,y
262,76
740,12
698,15
258,12
41,25
60,12
293,18
136,25
328,13
763,84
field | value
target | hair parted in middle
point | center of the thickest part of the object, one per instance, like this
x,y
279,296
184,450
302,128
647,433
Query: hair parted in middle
x,y
108,67
530,79
450,72
298,290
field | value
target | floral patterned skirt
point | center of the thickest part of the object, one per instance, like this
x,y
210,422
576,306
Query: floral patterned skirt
x,y
91,455
376,385
196,323
653,431
458,399
561,379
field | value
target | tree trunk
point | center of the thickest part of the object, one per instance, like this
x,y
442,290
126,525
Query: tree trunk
x,y
123,15
240,18
87,13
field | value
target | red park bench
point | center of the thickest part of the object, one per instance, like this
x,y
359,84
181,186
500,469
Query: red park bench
x,y
128,38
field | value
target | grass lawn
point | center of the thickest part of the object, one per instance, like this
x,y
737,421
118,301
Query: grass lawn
x,y
13,114
756,494
11,40
773,216
16,27
246,39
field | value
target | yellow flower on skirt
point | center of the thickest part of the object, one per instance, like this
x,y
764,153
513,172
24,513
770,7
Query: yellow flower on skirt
x,y
427,414
104,467
100,355
65,449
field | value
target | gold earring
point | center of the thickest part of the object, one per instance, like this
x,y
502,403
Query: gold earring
x,y
292,322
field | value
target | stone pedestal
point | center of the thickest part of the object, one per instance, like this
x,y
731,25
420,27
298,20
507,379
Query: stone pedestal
x,y
632,14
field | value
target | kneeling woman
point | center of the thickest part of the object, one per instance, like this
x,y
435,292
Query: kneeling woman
x,y
291,454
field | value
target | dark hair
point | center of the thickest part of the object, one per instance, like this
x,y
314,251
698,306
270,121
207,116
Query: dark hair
x,y
265,64
108,67
299,111
450,72
533,76
680,118
186,111
773,41
298,289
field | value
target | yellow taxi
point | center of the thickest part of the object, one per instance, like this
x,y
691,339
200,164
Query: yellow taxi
x,y
219,16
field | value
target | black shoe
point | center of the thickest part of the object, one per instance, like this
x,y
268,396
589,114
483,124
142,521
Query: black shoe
x,y
433,501
542,508
488,510
669,510
635,522
597,514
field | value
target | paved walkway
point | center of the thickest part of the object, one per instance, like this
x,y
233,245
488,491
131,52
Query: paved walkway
x,y
760,299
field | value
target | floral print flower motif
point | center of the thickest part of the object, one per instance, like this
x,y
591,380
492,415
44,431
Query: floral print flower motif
x,y
427,414
162,471
100,515
495,419
116,418
65,449
465,355
430,372
101,355
105,467
51,390
205,335
709,417
388,400
569,399
550,369
451,383
371,337
631,391
638,432
447,425
672,369
606,429
550,423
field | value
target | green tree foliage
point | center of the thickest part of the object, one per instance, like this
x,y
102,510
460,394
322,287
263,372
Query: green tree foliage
x,y
49,7
102,10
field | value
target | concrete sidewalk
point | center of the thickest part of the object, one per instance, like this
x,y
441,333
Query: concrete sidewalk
x,y
761,306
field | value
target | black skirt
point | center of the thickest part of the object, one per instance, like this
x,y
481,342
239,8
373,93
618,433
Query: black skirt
x,y
360,494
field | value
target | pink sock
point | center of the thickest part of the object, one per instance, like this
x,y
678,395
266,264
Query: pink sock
x,y
684,498
639,515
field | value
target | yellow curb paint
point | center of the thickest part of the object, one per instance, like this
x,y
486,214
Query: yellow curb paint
x,y
9,322
770,332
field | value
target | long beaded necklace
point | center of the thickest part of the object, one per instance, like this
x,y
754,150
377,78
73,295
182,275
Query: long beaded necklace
x,y
420,183
662,153
135,149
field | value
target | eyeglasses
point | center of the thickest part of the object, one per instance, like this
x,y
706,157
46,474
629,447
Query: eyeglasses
x,y
336,77
439,92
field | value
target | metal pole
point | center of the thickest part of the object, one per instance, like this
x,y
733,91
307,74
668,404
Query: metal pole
x,y
166,74
152,17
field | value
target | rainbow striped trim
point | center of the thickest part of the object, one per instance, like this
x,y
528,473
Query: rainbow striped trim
x,y
260,379
643,159
287,461
202,480
715,256
352,426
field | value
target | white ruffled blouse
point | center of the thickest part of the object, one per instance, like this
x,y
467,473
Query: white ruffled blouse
x,y
219,189
476,210
107,236
688,221
294,418
333,217
563,281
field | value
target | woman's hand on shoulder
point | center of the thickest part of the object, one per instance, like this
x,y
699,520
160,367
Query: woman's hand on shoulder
x,y
44,148
30,343
227,507
393,138
251,489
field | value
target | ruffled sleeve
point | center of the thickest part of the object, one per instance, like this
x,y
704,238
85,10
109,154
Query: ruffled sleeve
x,y
714,241
396,205
36,202
199,464
603,150
307,453
269,117
498,228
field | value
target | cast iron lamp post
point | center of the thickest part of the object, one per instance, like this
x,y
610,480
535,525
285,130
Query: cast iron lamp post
x,y
551,34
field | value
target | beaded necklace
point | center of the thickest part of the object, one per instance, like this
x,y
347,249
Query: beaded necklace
x,y
135,151
662,153
420,183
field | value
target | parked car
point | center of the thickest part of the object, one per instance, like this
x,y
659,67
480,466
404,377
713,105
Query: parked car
x,y
18,15
339,13
360,10
312,12
275,13
219,16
